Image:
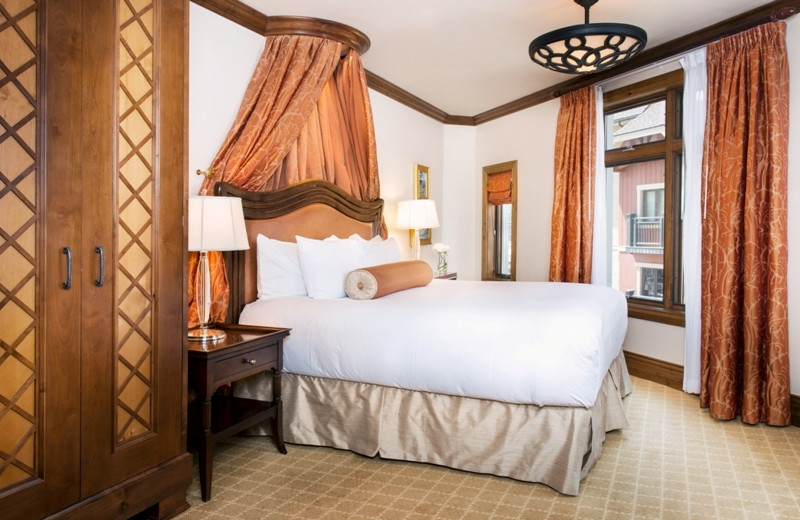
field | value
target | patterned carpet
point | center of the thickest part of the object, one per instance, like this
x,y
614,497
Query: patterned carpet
x,y
672,462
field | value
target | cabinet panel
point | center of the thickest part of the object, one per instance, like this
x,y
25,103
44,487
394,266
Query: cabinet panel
x,y
35,228
92,173
134,172
19,252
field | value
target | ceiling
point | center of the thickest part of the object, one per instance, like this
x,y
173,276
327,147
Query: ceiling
x,y
468,56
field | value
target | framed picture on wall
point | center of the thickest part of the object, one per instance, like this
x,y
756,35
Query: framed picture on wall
x,y
421,191
420,181
425,237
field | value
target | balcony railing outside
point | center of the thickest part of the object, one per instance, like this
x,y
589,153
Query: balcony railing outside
x,y
645,232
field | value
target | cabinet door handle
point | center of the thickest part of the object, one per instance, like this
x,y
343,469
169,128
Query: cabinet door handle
x,y
67,251
250,361
100,281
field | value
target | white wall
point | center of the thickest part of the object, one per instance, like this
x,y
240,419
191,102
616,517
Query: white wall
x,y
222,57
404,138
462,203
220,67
527,137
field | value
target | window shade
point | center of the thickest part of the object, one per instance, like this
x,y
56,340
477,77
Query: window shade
x,y
498,188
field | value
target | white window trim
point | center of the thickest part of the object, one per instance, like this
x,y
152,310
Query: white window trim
x,y
645,187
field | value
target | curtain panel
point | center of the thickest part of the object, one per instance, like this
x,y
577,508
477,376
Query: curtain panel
x,y
744,353
600,244
306,114
573,198
694,122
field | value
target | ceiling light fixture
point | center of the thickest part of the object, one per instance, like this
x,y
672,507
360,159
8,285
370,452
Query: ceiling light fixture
x,y
591,47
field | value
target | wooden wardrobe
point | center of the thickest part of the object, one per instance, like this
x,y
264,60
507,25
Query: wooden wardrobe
x,y
92,247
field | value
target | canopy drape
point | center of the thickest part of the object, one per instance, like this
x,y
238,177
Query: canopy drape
x,y
745,350
573,197
334,143
305,114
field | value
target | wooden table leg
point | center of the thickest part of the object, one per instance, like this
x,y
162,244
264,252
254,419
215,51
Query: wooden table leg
x,y
206,453
277,422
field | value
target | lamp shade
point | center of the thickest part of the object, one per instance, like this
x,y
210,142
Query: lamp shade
x,y
417,214
216,224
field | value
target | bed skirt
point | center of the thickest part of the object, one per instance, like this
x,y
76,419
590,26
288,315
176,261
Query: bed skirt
x,y
556,446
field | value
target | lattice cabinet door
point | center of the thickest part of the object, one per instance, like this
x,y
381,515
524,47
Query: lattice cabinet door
x,y
92,249
133,178
39,318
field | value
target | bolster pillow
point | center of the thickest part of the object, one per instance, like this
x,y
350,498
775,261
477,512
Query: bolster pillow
x,y
373,282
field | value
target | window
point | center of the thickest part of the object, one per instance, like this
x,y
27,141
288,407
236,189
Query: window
x,y
643,159
502,240
499,221
651,283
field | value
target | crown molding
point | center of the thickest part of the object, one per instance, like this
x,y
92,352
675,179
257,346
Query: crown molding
x,y
349,36
236,12
258,22
404,97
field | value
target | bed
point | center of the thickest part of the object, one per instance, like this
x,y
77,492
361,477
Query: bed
x,y
426,374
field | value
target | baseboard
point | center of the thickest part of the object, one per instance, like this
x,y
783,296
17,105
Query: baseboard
x,y
671,375
663,372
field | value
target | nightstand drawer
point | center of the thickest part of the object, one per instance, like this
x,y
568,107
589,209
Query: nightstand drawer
x,y
257,361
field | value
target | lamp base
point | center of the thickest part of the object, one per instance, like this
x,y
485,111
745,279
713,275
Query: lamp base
x,y
206,334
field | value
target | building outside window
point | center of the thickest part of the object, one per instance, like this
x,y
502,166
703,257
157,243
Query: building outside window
x,y
643,159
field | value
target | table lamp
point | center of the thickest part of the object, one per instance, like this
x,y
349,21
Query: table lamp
x,y
215,224
416,214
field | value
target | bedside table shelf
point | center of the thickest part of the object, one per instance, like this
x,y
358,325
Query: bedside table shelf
x,y
245,351
230,415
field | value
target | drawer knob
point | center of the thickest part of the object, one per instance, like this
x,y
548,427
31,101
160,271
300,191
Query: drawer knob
x,y
250,361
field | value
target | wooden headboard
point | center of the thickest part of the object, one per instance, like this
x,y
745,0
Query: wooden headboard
x,y
313,209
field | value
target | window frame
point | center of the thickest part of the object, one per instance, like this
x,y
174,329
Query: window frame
x,y
669,87
488,270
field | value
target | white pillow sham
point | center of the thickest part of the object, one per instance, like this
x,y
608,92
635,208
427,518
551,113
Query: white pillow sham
x,y
377,251
278,269
325,264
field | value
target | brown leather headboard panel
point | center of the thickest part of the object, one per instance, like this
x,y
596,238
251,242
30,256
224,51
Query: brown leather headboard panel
x,y
313,209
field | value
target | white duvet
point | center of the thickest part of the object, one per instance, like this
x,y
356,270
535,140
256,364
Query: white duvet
x,y
517,342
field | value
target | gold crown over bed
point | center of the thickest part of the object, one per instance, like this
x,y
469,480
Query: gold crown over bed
x,y
554,445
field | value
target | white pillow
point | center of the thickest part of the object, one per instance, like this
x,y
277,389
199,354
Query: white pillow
x,y
325,264
377,251
278,271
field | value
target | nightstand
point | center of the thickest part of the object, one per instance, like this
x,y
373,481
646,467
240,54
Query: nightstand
x,y
214,417
447,276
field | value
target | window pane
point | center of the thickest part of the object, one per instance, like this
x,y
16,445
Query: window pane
x,y
636,125
636,228
503,240
677,230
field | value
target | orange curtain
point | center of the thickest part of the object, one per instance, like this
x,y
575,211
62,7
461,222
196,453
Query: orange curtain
x,y
285,86
744,346
498,188
306,114
573,198
337,142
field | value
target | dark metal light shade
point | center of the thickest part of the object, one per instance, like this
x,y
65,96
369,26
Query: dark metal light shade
x,y
591,47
